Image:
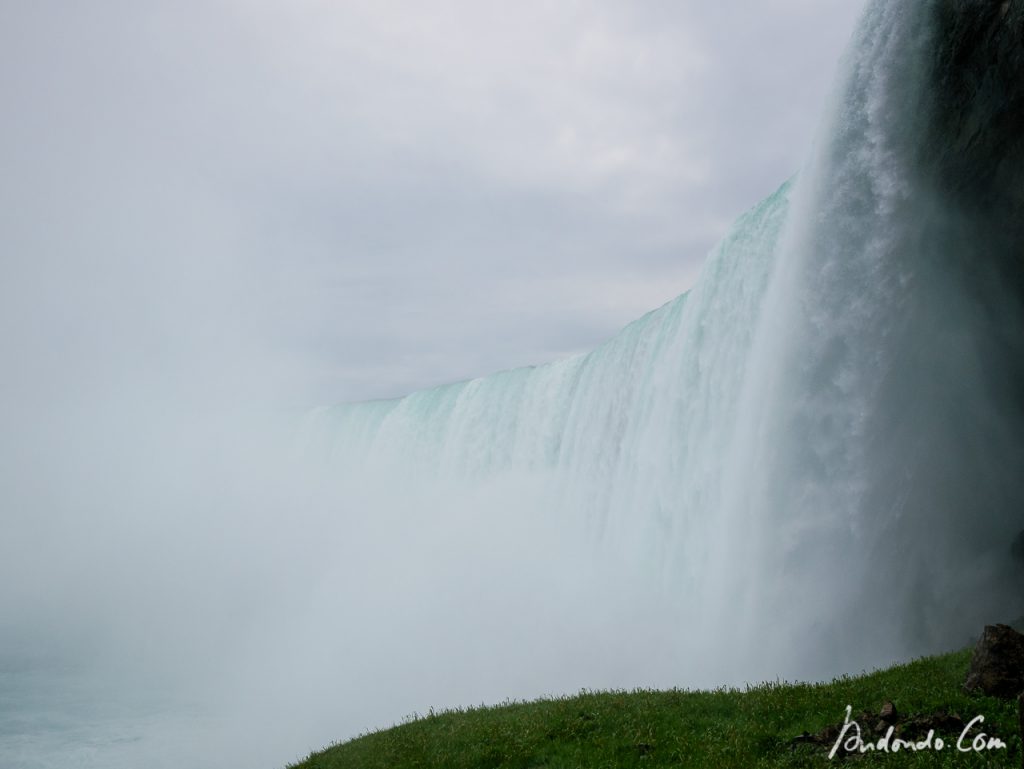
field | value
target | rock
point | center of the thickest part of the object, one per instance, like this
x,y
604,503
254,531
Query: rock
x,y
888,713
997,667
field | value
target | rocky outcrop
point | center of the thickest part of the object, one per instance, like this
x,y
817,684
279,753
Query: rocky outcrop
x,y
997,667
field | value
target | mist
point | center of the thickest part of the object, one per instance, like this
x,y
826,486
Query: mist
x,y
216,217
219,220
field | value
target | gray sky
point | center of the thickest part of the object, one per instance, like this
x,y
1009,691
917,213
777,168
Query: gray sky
x,y
340,200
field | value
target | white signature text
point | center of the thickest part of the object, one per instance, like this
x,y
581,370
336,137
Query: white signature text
x,y
851,740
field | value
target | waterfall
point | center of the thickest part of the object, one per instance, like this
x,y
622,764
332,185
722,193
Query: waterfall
x,y
808,463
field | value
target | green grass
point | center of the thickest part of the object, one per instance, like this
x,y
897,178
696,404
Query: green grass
x,y
647,729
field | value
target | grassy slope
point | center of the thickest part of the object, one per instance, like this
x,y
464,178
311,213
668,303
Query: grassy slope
x,y
646,729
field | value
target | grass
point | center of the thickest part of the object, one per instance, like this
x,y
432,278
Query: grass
x,y
647,729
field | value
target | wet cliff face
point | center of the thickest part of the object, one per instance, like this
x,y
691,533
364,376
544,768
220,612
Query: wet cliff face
x,y
975,154
974,160
977,146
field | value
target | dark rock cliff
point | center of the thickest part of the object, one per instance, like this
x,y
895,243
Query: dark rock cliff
x,y
976,153
978,126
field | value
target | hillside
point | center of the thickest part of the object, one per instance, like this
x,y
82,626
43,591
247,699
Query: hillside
x,y
758,726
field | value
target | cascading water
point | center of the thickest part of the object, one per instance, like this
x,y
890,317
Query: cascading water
x,y
811,461
808,465
882,429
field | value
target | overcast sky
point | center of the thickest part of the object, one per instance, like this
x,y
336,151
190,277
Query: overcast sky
x,y
357,199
